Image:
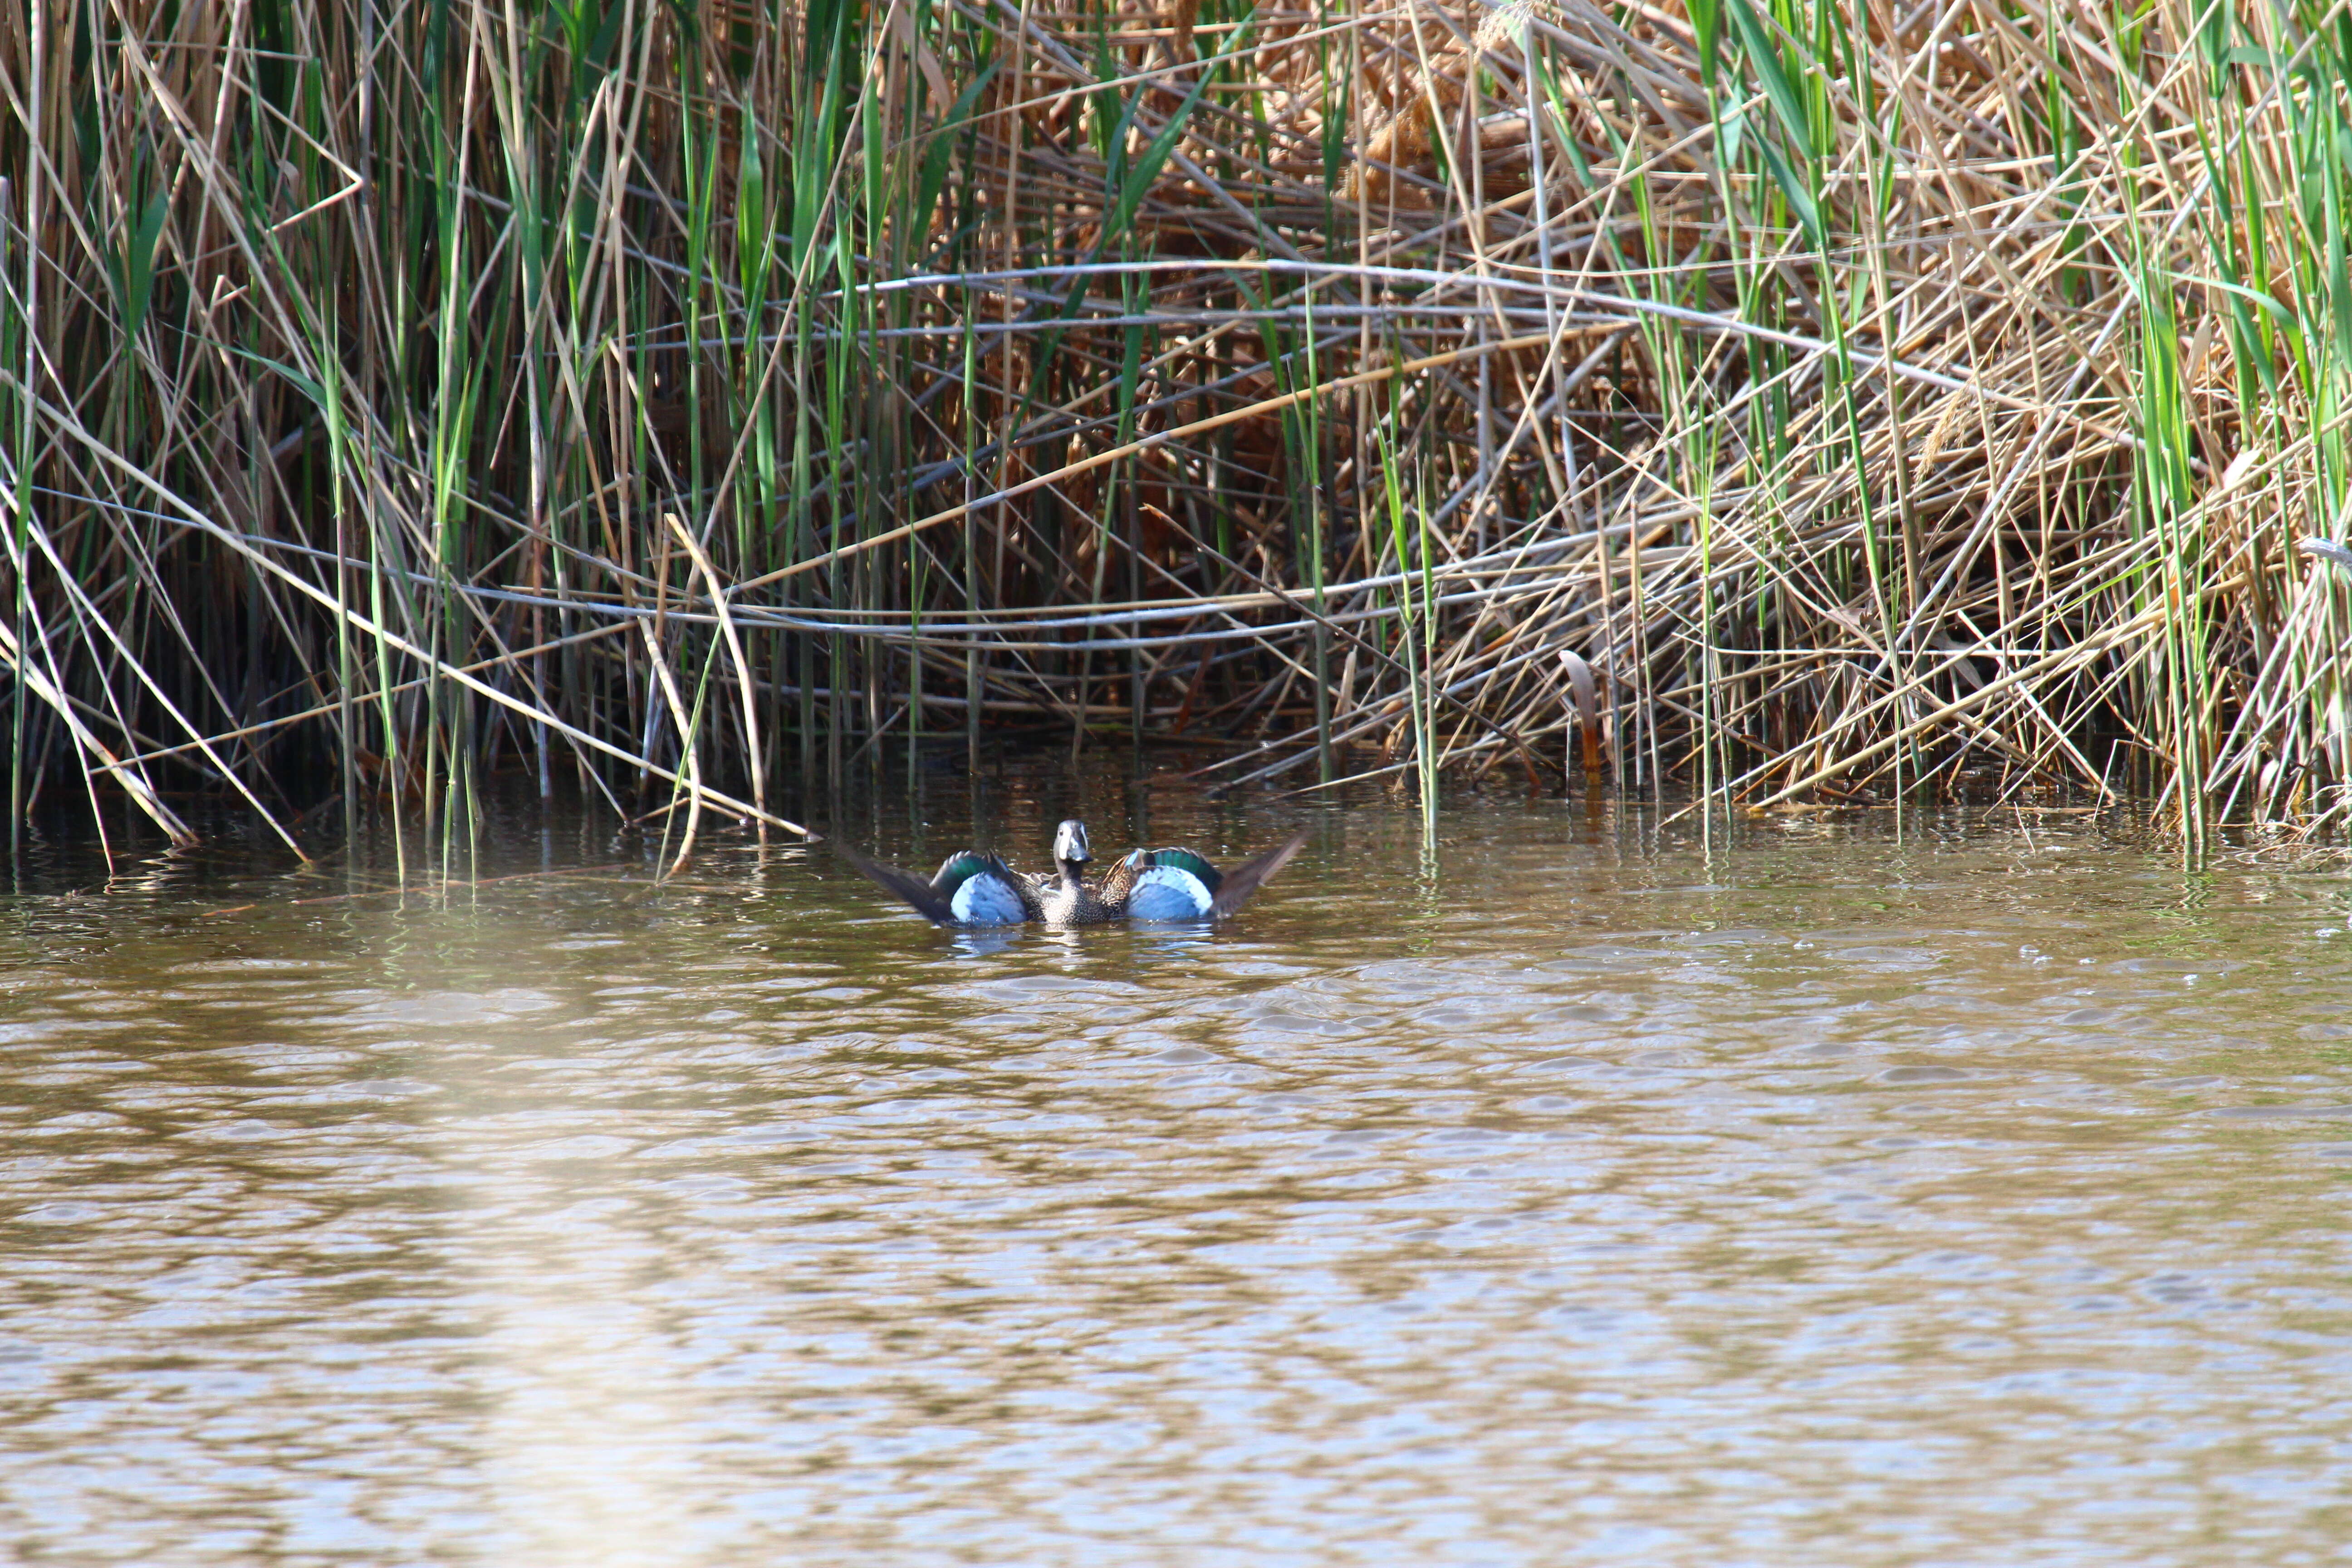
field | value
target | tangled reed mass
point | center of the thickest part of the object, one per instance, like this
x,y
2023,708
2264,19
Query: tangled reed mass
x,y
669,401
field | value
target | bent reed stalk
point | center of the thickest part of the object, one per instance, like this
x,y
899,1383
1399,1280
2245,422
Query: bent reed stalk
x,y
659,400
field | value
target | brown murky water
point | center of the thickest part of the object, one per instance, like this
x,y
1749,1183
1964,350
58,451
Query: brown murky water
x,y
1971,1193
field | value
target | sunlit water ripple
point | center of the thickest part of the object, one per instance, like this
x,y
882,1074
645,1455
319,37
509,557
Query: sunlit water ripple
x,y
1974,1193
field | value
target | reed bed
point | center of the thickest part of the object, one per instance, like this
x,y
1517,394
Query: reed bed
x,y
703,406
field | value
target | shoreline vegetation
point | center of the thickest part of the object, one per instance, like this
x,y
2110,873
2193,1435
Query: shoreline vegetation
x,y
1756,401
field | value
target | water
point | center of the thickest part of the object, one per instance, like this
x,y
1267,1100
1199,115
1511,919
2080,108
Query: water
x,y
1969,1192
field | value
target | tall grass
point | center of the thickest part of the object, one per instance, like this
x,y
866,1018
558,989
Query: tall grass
x,y
683,406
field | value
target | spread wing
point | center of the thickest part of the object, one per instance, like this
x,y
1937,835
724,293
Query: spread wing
x,y
927,900
1238,884
1134,867
983,891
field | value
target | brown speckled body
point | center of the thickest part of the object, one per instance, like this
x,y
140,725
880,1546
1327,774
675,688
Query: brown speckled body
x,y
1066,900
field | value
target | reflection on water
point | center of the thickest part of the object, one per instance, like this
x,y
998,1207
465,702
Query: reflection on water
x,y
1970,1194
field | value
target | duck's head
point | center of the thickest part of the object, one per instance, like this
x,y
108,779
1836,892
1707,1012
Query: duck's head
x,y
1070,843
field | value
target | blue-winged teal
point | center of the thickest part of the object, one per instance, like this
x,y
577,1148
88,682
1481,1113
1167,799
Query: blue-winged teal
x,y
974,888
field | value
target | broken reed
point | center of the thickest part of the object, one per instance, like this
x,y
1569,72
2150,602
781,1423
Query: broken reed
x,y
666,401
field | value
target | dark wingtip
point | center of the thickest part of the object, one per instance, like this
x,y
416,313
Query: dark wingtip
x,y
918,894
1251,875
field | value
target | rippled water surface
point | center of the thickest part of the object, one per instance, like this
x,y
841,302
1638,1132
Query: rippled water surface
x,y
1967,1190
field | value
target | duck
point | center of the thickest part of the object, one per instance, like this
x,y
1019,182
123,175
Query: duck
x,y
976,887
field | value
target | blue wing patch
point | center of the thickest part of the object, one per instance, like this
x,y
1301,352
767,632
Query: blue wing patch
x,y
1167,893
985,899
